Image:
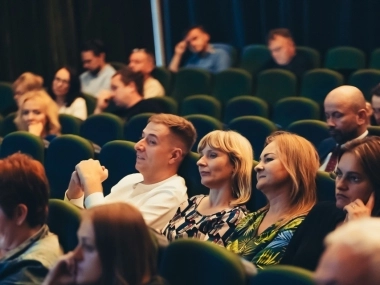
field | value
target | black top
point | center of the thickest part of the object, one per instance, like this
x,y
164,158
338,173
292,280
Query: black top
x,y
298,65
143,106
306,246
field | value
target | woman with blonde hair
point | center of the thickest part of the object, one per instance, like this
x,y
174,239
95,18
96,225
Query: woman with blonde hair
x,y
225,166
286,175
26,82
115,247
38,114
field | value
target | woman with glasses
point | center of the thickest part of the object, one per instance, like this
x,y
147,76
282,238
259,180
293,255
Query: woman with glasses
x,y
357,192
65,91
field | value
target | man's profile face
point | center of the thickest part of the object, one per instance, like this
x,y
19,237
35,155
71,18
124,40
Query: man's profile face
x,y
197,40
376,108
120,92
91,62
282,49
139,61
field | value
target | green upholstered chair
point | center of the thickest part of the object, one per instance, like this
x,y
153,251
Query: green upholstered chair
x,y
276,84
164,76
325,187
202,104
317,83
365,80
345,58
23,142
254,58
374,130
203,125
8,124
232,52
374,61
257,200
230,83
313,130
63,220
63,154
166,103
69,124
117,65
119,157
191,81
191,261
190,172
102,128
90,103
291,109
311,54
7,103
245,106
135,125
255,129
283,274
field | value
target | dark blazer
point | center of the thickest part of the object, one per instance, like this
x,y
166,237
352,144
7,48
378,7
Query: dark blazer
x,y
324,148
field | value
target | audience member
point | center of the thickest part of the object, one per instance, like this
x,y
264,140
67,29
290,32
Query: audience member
x,y
357,191
286,175
97,76
27,248
65,91
346,116
157,190
142,61
225,167
352,255
283,51
38,114
127,93
375,102
204,56
115,247
26,82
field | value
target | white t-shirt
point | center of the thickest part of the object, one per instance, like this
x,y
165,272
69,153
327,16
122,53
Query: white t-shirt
x,y
153,88
77,109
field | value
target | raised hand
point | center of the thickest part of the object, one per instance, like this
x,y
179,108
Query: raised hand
x,y
36,128
63,272
91,175
180,48
357,209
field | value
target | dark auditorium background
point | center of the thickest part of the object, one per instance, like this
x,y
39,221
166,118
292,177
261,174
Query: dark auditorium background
x,y
41,35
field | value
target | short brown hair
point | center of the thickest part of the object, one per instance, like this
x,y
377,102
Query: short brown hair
x,y
128,76
124,243
23,181
179,126
29,81
283,32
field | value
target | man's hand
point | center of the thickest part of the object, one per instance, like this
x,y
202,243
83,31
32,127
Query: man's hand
x,y
358,209
91,175
103,100
75,190
180,48
63,272
36,129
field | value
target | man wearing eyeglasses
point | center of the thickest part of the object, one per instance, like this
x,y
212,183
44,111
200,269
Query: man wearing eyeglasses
x,y
142,61
99,73
204,55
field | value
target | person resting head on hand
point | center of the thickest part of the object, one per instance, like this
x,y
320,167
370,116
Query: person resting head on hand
x,y
115,247
225,167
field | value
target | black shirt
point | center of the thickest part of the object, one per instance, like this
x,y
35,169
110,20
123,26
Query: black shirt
x,y
143,106
298,65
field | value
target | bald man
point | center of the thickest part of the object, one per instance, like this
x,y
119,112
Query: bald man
x,y
346,116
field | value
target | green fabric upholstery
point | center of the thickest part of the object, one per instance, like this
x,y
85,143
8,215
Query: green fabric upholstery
x,y
374,61
134,127
63,154
69,124
202,104
255,129
119,157
283,274
166,103
231,83
325,187
245,106
117,65
345,57
102,128
291,109
313,130
63,220
165,77
7,103
90,103
254,58
8,124
311,54
23,142
374,130
191,261
365,80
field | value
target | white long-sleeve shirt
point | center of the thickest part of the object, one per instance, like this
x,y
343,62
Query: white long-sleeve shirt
x,y
77,109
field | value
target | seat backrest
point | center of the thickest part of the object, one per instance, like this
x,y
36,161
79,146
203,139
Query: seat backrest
x,y
63,154
102,128
164,76
117,65
23,142
8,124
90,103
166,104
134,126
69,124
283,274
254,58
313,130
374,61
365,80
312,55
345,57
325,187
223,267
245,106
63,220
202,104
7,103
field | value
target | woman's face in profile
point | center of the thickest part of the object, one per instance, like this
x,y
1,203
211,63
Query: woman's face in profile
x,y
32,112
61,82
351,181
88,268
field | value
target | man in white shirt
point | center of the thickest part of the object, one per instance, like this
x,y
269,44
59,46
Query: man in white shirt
x,y
156,190
99,73
142,61
346,116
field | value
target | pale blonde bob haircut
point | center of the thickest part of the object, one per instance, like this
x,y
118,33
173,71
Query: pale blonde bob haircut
x,y
301,161
48,107
28,81
240,153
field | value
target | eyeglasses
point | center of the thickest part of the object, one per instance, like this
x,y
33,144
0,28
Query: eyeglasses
x,y
60,80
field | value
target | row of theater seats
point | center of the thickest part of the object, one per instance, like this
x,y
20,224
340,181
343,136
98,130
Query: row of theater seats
x,y
195,257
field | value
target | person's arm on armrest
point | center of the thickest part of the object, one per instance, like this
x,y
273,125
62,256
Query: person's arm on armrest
x,y
180,48
74,193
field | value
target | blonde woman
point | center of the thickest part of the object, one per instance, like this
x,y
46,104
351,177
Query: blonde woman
x,y
286,176
38,114
225,166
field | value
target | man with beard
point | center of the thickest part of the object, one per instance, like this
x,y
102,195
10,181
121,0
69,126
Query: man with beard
x,y
346,116
99,73
204,55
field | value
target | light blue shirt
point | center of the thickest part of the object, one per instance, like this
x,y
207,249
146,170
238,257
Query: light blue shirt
x,y
214,60
92,85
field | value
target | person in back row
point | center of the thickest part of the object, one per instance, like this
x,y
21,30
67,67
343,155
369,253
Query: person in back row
x,y
127,92
156,190
142,61
26,82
